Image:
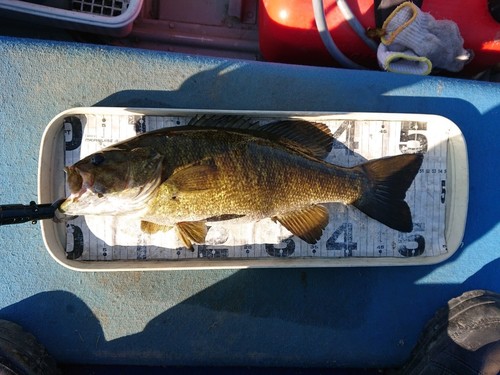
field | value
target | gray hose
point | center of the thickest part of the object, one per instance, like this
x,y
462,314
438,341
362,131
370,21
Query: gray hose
x,y
355,25
319,17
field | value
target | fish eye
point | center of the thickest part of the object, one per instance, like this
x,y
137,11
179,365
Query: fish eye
x,y
97,159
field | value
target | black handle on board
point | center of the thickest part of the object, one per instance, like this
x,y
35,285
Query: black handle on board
x,y
20,213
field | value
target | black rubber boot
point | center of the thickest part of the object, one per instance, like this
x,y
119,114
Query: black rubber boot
x,y
463,338
22,354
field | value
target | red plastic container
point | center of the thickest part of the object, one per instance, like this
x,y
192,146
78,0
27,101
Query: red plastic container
x,y
288,32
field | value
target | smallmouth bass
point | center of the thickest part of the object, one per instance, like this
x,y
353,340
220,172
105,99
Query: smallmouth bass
x,y
220,168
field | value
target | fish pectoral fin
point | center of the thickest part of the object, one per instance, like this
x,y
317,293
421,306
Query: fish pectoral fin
x,y
191,231
194,177
152,228
307,224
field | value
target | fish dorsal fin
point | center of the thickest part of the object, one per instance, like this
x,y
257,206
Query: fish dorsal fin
x,y
307,224
191,231
224,122
312,138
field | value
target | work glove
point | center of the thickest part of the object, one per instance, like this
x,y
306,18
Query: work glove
x,y
415,42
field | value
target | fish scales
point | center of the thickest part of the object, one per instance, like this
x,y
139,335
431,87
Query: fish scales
x,y
256,180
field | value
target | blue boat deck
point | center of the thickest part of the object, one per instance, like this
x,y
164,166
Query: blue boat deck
x,y
338,317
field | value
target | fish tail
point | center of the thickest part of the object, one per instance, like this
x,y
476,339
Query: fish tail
x,y
388,180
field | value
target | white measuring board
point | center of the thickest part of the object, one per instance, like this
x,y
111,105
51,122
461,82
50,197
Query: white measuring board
x,y
349,234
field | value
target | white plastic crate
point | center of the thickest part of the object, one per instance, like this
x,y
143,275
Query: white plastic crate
x,y
109,17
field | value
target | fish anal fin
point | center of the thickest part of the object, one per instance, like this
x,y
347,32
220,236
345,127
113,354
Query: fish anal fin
x,y
194,177
307,224
190,232
388,180
152,228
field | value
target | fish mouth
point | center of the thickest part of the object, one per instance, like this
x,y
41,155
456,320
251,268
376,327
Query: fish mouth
x,y
89,195
79,182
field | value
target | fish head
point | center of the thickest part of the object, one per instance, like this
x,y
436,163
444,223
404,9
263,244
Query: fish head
x,y
112,181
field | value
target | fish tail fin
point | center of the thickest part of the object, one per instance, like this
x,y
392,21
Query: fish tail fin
x,y
388,180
